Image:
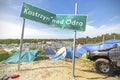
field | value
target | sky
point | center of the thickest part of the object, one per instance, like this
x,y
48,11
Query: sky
x,y
103,17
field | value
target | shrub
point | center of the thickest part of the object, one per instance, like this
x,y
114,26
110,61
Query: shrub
x,y
3,55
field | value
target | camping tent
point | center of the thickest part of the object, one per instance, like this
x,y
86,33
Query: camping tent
x,y
26,56
81,49
64,52
49,51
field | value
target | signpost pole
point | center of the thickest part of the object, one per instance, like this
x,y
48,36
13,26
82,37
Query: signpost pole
x,y
21,44
74,45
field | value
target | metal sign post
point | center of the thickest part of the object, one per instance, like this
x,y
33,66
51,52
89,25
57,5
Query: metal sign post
x,y
74,22
21,44
74,45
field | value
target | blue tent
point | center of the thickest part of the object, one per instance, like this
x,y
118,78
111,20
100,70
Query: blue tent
x,y
26,56
112,41
81,49
109,43
49,51
62,53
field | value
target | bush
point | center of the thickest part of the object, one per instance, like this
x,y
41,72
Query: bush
x,y
33,48
3,55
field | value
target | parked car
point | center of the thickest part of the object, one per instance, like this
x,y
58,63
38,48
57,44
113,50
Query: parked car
x,y
106,61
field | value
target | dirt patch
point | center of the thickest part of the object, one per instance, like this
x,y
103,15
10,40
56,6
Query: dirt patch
x,y
53,70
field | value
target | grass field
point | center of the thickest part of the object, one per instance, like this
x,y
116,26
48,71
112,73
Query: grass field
x,y
4,55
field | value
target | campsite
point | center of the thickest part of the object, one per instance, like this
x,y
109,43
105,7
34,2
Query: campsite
x,y
48,64
59,40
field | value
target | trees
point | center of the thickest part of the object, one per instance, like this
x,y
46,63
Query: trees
x,y
97,38
83,40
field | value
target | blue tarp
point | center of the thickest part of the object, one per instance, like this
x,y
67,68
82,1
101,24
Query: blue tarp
x,y
112,41
57,57
66,53
49,51
69,53
81,49
26,56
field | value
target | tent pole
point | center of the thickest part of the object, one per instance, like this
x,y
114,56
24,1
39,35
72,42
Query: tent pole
x,y
21,44
74,46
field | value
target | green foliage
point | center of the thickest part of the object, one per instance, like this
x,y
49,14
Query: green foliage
x,y
33,48
41,52
97,39
56,49
3,55
78,41
41,56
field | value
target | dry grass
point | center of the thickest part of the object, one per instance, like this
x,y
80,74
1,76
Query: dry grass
x,y
53,70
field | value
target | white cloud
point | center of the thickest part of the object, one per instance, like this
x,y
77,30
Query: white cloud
x,y
10,29
93,31
115,18
13,30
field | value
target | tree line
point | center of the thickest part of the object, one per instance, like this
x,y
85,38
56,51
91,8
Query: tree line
x,y
98,38
82,40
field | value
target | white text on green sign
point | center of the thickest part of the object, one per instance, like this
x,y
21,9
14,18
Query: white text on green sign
x,y
73,22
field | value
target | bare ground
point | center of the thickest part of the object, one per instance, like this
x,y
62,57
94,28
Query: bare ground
x,y
53,70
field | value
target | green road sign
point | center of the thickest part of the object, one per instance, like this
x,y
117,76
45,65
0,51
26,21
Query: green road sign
x,y
74,22
36,14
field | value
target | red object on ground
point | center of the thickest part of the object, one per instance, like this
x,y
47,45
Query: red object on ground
x,y
14,76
